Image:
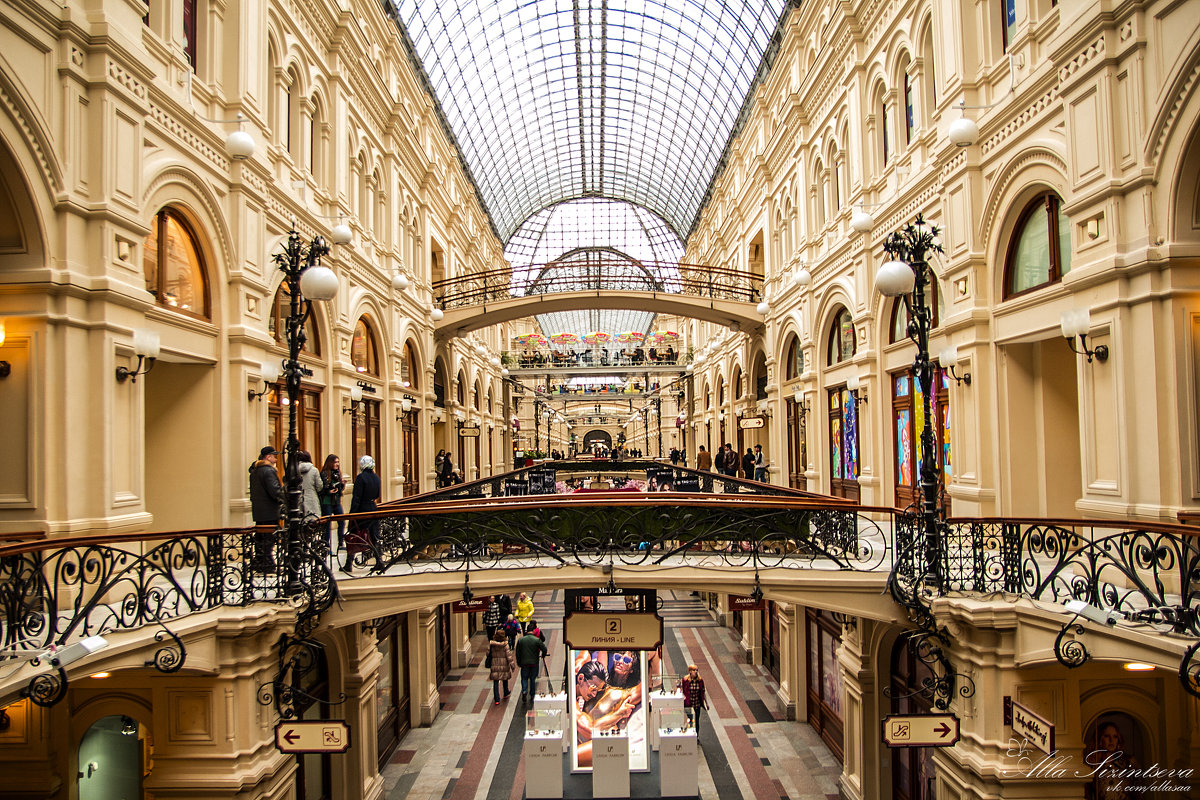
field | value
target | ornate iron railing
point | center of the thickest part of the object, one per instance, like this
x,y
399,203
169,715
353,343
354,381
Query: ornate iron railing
x,y
53,593
56,592
695,280
556,477
624,528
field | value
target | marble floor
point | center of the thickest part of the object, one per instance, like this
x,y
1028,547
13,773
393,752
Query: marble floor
x,y
747,750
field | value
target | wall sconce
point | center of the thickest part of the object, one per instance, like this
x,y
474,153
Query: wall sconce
x,y
436,314
857,388
5,367
1077,322
949,360
146,348
356,394
270,374
438,415
801,276
406,403
400,282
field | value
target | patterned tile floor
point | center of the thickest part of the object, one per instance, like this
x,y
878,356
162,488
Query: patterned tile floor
x,y
747,751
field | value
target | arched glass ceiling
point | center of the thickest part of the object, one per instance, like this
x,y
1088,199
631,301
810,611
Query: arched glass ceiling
x,y
593,241
552,100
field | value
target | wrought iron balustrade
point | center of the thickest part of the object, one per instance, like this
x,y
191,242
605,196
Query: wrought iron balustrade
x,y
1125,567
53,592
573,474
694,280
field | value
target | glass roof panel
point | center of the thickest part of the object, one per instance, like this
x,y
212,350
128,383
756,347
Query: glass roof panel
x,y
559,99
582,243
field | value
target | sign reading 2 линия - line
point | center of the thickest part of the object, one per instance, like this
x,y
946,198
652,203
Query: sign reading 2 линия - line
x,y
612,631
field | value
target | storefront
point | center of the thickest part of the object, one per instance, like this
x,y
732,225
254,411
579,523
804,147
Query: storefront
x,y
391,692
824,678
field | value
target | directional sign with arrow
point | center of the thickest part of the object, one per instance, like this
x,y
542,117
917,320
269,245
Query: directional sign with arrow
x,y
313,736
920,730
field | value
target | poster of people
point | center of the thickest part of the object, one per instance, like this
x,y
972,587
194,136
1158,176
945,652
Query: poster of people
x,y
608,692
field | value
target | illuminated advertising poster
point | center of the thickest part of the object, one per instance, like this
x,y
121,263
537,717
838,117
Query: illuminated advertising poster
x,y
608,693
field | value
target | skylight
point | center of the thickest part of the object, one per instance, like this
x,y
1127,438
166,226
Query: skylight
x,y
552,100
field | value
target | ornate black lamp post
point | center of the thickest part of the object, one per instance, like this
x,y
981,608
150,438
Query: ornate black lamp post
x,y
306,281
907,276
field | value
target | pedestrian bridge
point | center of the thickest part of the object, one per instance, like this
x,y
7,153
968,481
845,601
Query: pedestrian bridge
x,y
721,295
582,524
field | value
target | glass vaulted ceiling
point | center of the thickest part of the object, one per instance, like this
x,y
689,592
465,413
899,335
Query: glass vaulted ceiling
x,y
552,100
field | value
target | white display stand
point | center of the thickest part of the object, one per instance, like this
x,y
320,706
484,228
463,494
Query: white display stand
x,y
659,703
543,765
678,764
556,702
610,766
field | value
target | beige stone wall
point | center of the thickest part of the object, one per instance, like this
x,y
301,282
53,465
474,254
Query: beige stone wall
x,y
105,124
1095,107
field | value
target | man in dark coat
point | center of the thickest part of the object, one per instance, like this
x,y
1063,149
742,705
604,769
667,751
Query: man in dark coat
x,y
729,460
266,505
748,464
528,650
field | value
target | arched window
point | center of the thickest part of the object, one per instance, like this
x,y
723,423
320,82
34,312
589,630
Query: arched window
x,y
409,375
898,328
842,345
460,390
910,122
793,362
883,129
363,353
174,267
277,323
314,138
1040,250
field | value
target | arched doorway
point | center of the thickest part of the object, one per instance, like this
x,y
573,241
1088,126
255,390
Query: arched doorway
x,y
597,437
111,759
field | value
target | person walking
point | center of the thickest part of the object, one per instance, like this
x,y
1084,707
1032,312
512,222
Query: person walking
x,y
703,460
760,464
333,484
729,460
524,609
506,607
500,659
748,464
692,688
492,618
266,506
363,534
446,476
529,651
512,629
310,486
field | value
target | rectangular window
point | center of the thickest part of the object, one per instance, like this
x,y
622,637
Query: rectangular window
x,y
1008,28
189,31
883,128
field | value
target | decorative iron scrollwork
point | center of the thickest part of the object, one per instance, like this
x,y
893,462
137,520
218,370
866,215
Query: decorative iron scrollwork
x,y
298,659
1071,653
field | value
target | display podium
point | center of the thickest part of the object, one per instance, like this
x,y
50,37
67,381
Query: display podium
x,y
610,765
664,699
544,755
552,702
678,756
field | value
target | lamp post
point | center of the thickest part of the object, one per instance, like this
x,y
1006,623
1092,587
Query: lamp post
x,y
306,281
907,276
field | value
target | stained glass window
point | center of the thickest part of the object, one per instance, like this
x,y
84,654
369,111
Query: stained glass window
x,y
841,338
